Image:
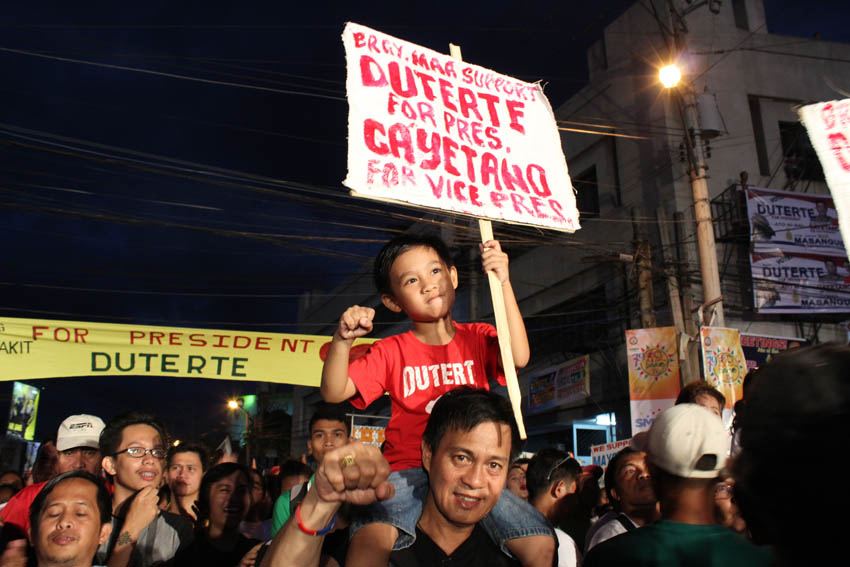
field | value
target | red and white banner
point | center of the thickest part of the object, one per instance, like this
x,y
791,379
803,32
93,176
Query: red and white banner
x,y
828,125
601,454
429,130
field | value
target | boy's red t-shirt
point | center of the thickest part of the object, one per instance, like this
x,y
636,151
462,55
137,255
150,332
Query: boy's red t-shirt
x,y
416,374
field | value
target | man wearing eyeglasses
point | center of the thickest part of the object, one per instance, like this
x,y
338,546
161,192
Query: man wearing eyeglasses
x,y
133,445
552,480
77,443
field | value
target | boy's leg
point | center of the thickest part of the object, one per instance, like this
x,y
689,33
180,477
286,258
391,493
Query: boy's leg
x,y
382,526
533,551
521,531
371,545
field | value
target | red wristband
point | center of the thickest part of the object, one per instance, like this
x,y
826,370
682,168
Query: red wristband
x,y
307,530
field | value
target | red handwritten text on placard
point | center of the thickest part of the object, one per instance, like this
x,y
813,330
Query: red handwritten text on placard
x,y
428,129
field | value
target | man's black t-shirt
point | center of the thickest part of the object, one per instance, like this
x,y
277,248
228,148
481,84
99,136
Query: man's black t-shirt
x,y
478,549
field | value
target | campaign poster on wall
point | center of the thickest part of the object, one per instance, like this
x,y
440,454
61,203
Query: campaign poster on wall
x,y
786,282
560,385
429,130
759,349
23,411
723,361
796,222
653,364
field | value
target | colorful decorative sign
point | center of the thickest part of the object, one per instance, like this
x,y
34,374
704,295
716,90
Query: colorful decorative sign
x,y
723,360
653,373
23,411
369,434
758,349
560,385
429,130
41,348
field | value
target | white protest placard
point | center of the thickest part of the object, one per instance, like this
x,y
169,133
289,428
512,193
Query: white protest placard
x,y
601,454
429,130
828,125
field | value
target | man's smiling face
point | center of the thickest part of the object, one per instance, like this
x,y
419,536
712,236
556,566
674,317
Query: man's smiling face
x,y
467,472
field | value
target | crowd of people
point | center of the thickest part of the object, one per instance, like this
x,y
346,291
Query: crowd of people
x,y
447,488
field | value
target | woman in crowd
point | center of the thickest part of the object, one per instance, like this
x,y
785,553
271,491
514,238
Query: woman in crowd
x,y
224,502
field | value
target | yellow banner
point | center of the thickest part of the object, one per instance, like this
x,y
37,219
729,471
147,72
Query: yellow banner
x,y
723,361
653,361
41,348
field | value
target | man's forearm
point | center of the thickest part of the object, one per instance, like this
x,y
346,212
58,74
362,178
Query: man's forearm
x,y
293,547
125,543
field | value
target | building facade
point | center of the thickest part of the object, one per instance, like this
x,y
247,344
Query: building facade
x,y
579,293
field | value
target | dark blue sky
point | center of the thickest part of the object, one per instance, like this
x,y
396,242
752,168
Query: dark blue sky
x,y
168,197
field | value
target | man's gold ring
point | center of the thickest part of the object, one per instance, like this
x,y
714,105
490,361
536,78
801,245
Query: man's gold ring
x,y
346,461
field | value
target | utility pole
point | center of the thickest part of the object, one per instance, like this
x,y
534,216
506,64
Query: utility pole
x,y
685,100
643,260
688,309
683,338
702,207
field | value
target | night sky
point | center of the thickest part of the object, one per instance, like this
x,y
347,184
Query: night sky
x,y
180,164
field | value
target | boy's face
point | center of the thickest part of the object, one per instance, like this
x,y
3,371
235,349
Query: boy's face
x,y
133,473
422,285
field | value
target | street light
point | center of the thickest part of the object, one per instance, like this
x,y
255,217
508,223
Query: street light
x,y
233,404
669,76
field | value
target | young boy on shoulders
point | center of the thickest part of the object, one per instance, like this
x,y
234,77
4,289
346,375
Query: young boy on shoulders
x,y
415,275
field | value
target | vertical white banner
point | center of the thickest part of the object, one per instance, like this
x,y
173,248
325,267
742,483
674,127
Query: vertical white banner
x,y
828,124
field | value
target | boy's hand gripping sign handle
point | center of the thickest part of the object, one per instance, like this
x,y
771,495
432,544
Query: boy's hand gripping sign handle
x,y
486,228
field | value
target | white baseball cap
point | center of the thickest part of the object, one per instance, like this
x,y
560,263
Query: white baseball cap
x,y
688,441
79,431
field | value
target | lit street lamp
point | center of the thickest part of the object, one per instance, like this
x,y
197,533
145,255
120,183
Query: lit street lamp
x,y
669,76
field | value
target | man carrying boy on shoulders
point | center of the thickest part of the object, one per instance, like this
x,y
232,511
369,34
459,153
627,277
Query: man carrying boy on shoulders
x,y
415,275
